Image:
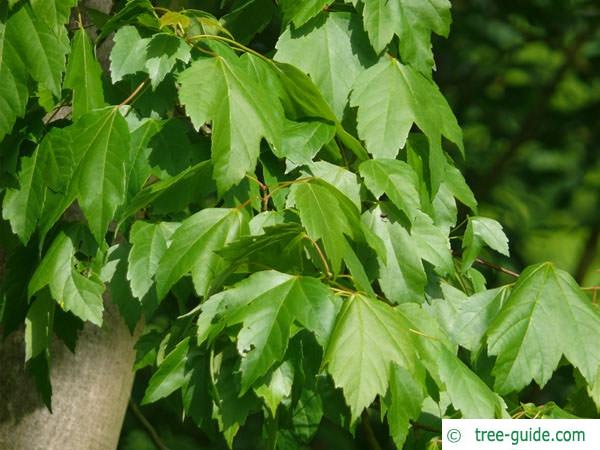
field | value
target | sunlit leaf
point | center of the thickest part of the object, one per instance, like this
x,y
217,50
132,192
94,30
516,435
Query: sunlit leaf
x,y
219,89
545,317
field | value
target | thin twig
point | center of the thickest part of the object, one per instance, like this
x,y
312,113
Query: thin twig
x,y
56,110
264,188
139,95
134,93
246,203
236,44
593,289
422,426
284,184
459,277
205,51
518,414
466,219
262,185
342,292
321,255
137,412
497,267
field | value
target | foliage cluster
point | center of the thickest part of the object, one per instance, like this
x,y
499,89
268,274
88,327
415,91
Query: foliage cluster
x,y
273,187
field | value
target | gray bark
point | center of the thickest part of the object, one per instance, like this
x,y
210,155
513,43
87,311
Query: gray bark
x,y
91,390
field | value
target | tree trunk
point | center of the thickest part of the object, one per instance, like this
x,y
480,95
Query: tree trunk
x,y
90,391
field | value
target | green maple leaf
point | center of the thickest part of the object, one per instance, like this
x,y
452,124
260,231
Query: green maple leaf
x,y
381,20
195,393
128,55
162,52
340,178
29,49
466,390
329,216
307,415
432,243
267,304
155,56
140,168
233,408
43,179
169,186
14,89
279,246
404,402
302,100
401,274
458,186
391,97
418,19
442,209
545,317
38,326
465,318
171,374
241,109
482,230
84,76
412,21
194,246
368,338
397,180
303,140
299,13
22,206
149,243
97,160
333,53
40,46
114,274
73,291
278,387
54,12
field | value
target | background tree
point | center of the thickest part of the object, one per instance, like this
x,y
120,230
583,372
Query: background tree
x,y
268,193
528,119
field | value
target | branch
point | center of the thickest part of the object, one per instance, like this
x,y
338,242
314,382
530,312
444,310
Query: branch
x,y
60,110
531,120
492,265
593,289
497,267
321,255
137,412
136,91
422,426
